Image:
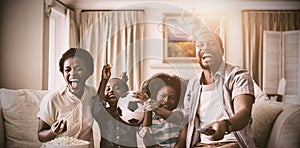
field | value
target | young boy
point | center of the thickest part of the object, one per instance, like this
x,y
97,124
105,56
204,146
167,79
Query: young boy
x,y
162,113
114,132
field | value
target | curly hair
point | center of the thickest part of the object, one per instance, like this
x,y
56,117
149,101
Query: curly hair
x,y
154,84
79,53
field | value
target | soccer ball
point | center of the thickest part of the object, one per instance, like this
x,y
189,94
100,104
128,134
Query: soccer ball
x,y
130,109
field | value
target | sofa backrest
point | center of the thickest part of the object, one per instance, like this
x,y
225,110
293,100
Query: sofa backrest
x,y
264,114
19,109
275,124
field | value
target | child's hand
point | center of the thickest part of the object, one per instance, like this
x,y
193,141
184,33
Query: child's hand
x,y
59,126
144,130
150,105
106,72
140,95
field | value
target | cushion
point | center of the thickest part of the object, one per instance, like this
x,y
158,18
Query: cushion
x,y
259,94
287,133
19,110
264,113
2,144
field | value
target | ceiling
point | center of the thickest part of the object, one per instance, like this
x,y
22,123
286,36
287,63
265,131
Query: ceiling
x,y
103,4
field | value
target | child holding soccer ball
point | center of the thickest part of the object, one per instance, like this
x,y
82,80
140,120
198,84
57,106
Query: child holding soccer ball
x,y
163,121
114,132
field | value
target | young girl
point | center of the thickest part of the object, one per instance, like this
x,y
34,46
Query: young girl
x,y
67,111
165,119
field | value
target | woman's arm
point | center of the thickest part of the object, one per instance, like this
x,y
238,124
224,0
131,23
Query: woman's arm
x,y
47,132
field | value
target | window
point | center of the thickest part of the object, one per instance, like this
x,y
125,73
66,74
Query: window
x,y
58,44
281,64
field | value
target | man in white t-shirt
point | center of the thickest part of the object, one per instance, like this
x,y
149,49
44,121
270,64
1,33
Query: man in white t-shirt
x,y
219,100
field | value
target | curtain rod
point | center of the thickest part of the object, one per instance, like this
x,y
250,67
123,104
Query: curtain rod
x,y
65,5
112,10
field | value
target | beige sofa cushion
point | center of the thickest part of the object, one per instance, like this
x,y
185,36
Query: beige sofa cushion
x,y
19,109
264,114
287,125
2,144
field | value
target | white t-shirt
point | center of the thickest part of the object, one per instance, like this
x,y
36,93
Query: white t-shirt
x,y
211,110
61,103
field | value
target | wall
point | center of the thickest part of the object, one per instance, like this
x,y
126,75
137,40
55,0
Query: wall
x,y
154,10
21,51
233,32
21,44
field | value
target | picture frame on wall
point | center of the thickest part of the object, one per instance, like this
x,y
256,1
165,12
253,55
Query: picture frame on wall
x,y
180,31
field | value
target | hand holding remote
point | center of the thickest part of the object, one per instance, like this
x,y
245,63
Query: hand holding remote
x,y
206,130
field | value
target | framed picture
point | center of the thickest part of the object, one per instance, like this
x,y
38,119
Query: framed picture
x,y
179,31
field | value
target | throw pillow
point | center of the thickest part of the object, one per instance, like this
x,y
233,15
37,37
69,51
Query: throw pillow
x,y
19,109
264,113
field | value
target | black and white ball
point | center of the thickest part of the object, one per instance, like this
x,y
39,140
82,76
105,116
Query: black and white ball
x,y
130,109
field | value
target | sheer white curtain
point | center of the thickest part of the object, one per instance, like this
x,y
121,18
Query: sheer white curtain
x,y
114,37
62,36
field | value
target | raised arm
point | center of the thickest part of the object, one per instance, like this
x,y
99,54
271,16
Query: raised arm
x,y
106,73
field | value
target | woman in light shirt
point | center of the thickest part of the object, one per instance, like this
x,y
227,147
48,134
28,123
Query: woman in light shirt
x,y
67,111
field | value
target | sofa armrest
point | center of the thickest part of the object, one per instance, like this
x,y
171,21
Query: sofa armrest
x,y
2,133
286,128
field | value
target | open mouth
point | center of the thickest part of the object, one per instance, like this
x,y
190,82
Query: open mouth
x,y
112,97
207,56
165,106
74,83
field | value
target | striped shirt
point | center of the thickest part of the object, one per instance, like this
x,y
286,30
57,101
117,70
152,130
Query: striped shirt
x,y
165,133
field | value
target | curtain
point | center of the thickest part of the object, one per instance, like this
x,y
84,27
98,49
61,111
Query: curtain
x,y
60,40
254,23
114,37
73,34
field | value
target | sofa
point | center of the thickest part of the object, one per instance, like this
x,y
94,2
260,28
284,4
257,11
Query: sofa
x,y
275,124
18,118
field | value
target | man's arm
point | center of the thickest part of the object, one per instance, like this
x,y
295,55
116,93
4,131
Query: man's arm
x,y
242,105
